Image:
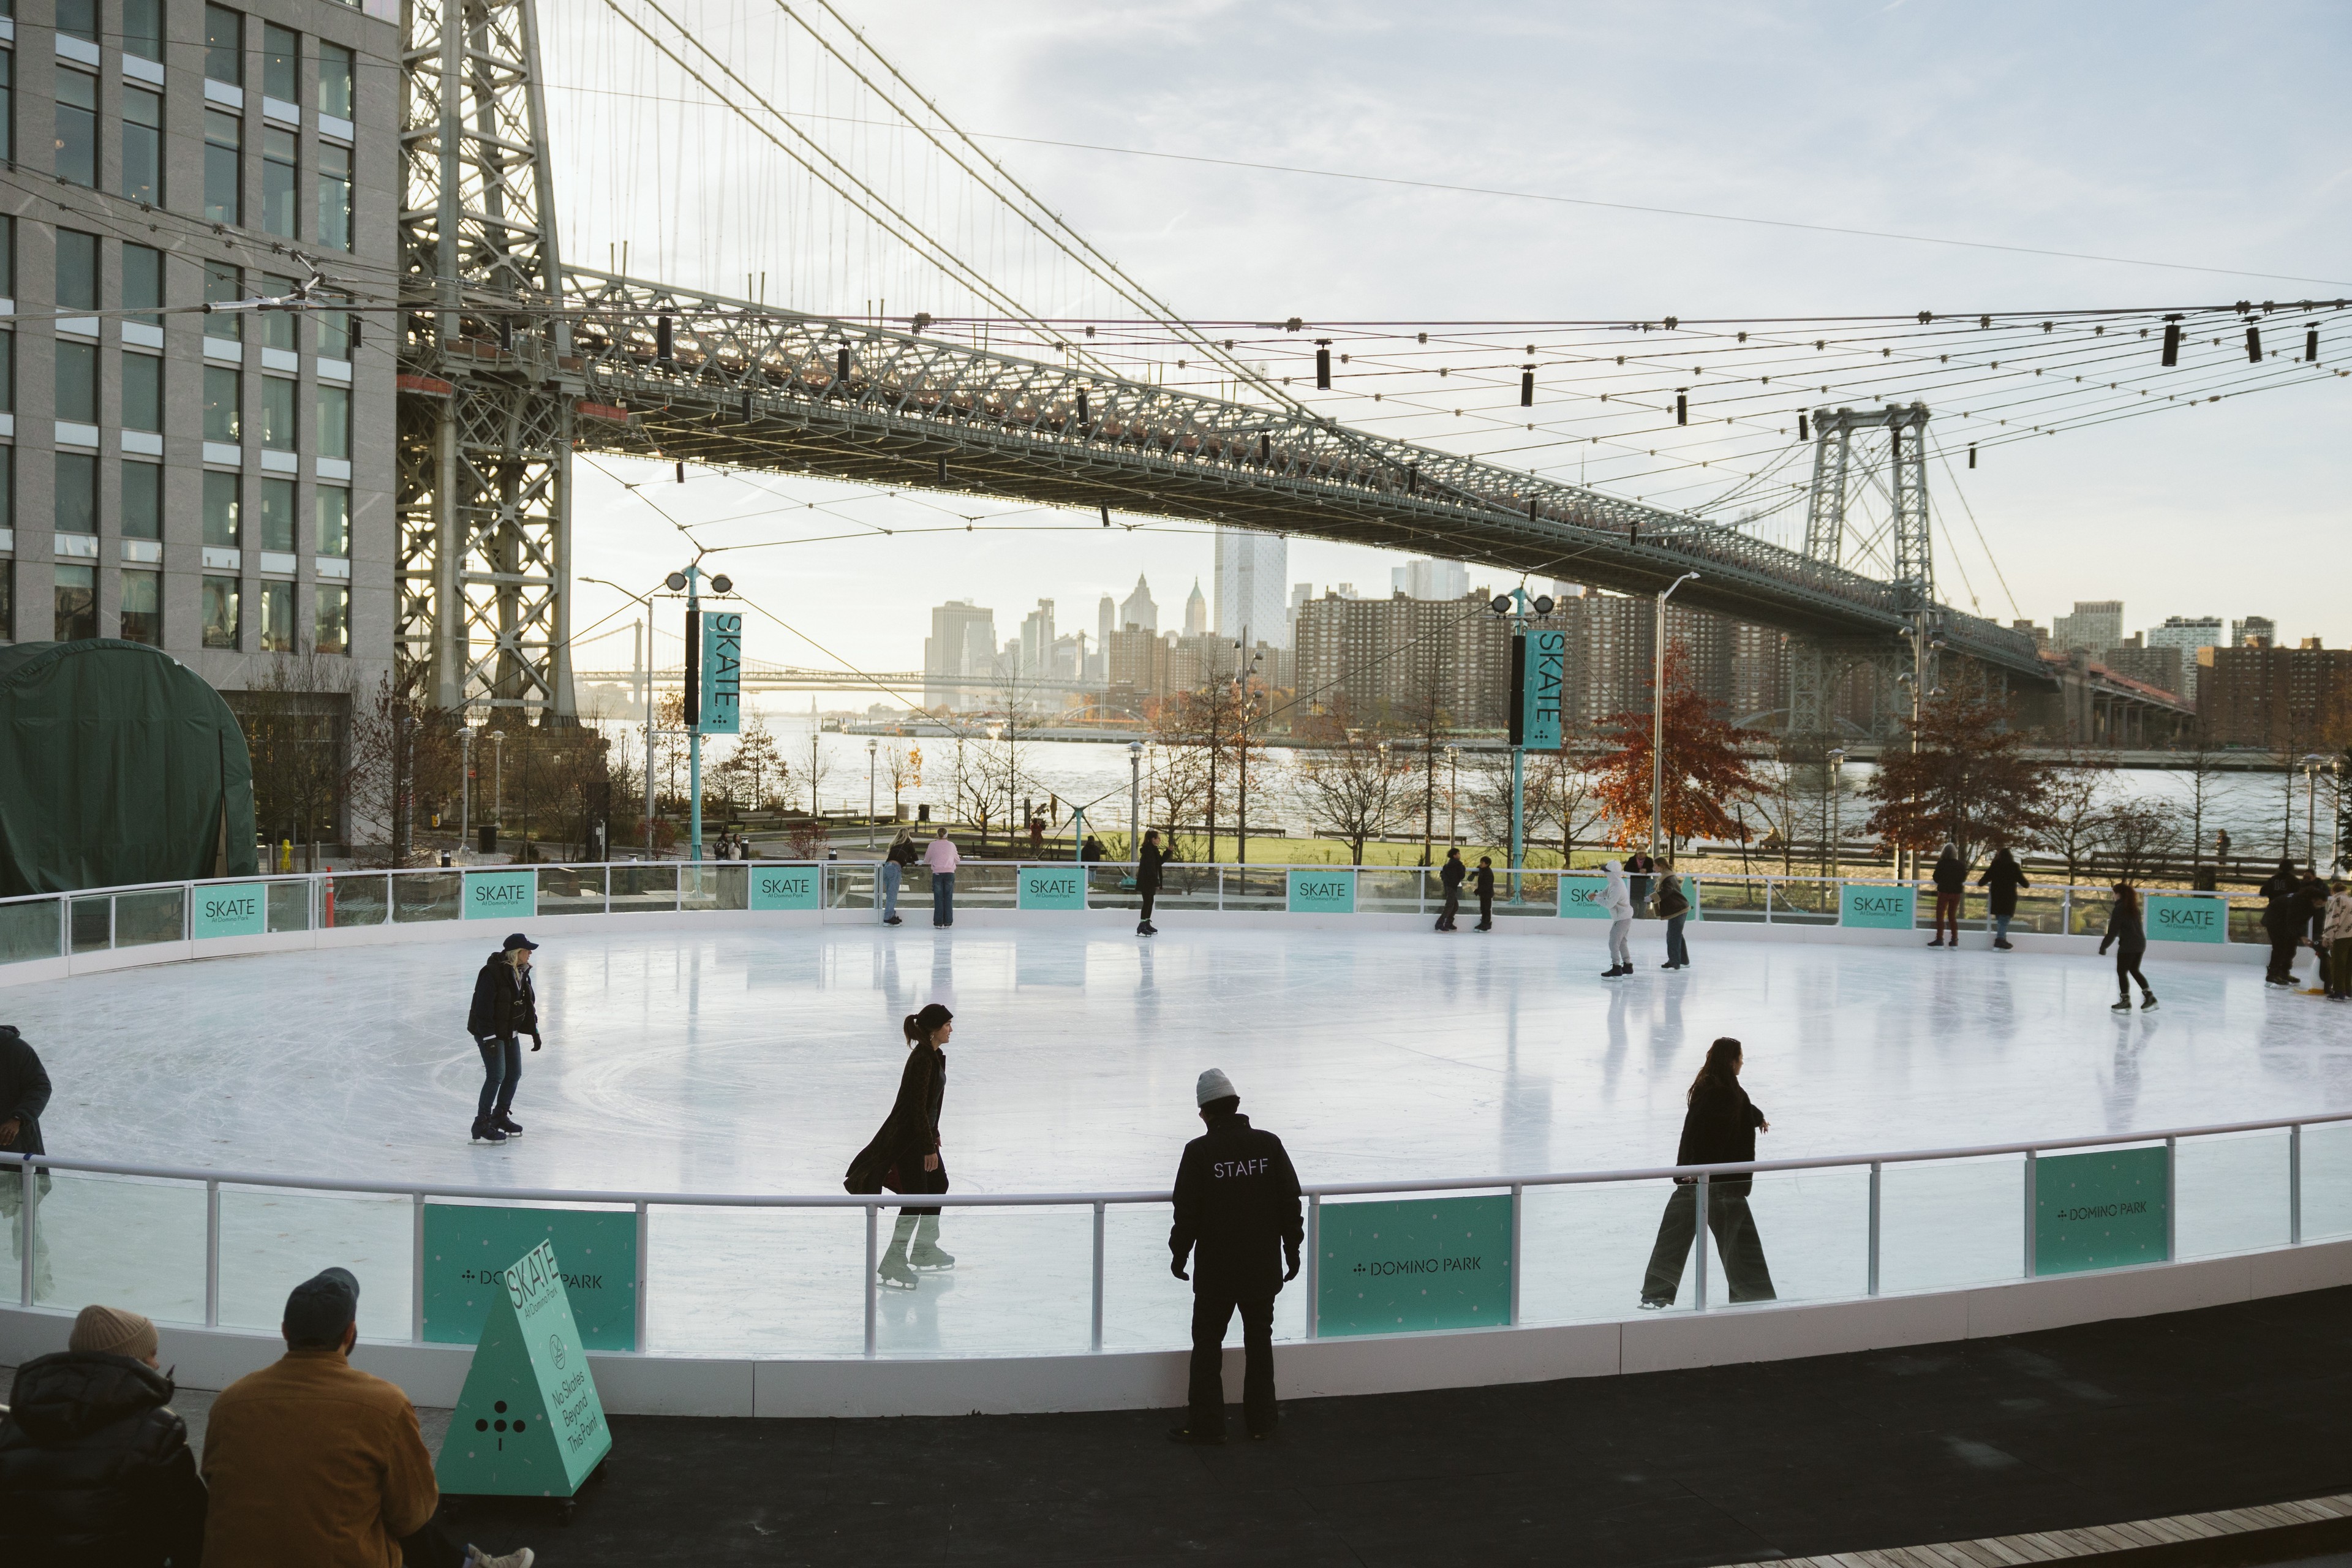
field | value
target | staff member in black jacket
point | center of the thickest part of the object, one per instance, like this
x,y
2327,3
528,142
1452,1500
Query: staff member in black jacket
x,y
24,1095
1719,1129
2282,921
1449,878
1238,1218
1483,881
504,1009
2128,932
1148,862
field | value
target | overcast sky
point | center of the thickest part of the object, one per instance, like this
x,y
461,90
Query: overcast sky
x,y
2206,135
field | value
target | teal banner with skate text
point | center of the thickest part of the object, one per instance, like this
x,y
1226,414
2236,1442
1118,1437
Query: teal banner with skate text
x,y
2173,917
1878,906
723,673
784,886
462,1277
1053,886
1423,1263
233,909
502,894
1331,893
2107,1208
1579,898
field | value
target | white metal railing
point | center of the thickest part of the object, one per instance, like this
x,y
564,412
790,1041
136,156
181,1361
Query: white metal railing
x,y
22,1169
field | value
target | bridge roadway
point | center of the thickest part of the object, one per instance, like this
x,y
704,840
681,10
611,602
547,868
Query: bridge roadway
x,y
752,386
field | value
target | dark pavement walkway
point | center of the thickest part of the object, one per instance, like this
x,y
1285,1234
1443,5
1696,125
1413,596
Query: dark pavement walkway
x,y
2221,1408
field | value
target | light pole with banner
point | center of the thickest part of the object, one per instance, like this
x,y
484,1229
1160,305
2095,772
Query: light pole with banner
x,y
645,627
1539,666
1658,715
714,684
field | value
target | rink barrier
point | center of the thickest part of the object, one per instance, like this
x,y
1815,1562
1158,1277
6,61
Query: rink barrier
x,y
683,1383
48,934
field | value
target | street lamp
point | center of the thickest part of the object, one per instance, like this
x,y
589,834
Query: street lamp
x,y
871,746
1837,788
2311,762
465,789
498,796
646,599
1452,792
1135,800
1658,715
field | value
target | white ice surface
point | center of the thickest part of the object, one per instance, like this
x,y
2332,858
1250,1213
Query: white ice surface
x,y
747,1061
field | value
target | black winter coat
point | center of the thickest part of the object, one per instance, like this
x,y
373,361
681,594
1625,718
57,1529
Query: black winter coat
x,y
1950,875
504,1002
1719,1129
2003,878
1482,882
2125,927
1238,1213
1450,875
1147,868
94,1466
24,1095
893,1157
2283,889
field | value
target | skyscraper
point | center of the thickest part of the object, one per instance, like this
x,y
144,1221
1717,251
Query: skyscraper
x,y
1196,612
1429,579
2188,633
2096,626
1037,642
963,644
1251,568
1136,609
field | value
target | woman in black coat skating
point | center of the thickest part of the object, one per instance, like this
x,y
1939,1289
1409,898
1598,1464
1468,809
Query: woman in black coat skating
x,y
904,1155
2000,881
2128,932
1951,877
1719,1129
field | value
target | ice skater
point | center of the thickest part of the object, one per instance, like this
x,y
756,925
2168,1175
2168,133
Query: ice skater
x,y
2128,933
904,1155
1673,908
1951,879
1619,905
1483,881
2000,881
1449,878
1148,862
504,1010
1718,1129
942,858
24,1095
894,872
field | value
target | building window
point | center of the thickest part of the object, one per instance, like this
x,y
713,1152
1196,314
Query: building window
x,y
76,19
224,142
143,608
278,515
76,594
142,29
335,80
225,45
278,416
142,392
334,628
282,57
278,181
7,372
220,612
77,391
339,335
278,328
222,286
77,127
7,225
224,390
334,195
142,500
77,493
221,530
142,145
143,283
333,506
77,270
7,601
278,617
335,422
7,104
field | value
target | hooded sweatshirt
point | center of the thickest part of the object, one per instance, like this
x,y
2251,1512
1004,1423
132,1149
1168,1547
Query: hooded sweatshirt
x,y
1613,896
94,1465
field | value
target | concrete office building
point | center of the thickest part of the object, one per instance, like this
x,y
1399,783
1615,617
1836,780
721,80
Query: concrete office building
x,y
2186,634
1250,570
961,647
1429,579
217,485
2096,626
2262,629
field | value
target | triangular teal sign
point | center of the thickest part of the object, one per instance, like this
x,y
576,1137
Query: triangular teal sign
x,y
529,1423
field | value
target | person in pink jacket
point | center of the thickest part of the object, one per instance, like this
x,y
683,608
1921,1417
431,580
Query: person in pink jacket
x,y
942,858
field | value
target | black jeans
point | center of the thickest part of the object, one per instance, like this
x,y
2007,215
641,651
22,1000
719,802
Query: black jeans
x,y
2128,970
1452,907
501,1070
1148,894
2282,967
919,1181
1735,1238
1206,1406
1485,910
431,1547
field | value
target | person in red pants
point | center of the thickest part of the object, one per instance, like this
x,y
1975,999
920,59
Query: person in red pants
x,y
1951,875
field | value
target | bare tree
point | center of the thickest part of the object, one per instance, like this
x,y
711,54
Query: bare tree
x,y
2137,838
903,766
403,756
293,721
2073,809
1559,801
1354,790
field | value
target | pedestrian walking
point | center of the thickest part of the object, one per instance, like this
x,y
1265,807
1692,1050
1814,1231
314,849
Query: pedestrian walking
x,y
94,1463
1673,908
2127,931
2335,933
941,858
1036,835
24,1095
904,1157
1239,1219
1952,879
2282,893
1720,1127
1482,882
1091,850
894,873
2000,881
1148,862
505,1009
1619,905
1639,867
1449,878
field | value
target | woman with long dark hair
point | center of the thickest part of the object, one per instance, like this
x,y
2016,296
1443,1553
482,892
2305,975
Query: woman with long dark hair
x,y
2000,881
1719,1129
1951,879
904,1155
2128,931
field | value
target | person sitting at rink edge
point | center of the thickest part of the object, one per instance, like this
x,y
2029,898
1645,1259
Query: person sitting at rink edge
x,y
1239,1218
94,1462
314,1464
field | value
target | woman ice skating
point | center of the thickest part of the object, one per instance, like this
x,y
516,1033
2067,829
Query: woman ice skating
x,y
1619,905
2000,881
894,870
904,1157
1719,1129
504,1009
1673,908
1951,877
2128,932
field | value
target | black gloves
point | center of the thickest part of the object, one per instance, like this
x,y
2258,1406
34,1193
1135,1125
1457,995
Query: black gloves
x,y
1294,1264
536,1042
1176,1266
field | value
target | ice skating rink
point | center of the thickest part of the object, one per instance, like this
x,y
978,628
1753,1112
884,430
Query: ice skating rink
x,y
760,1061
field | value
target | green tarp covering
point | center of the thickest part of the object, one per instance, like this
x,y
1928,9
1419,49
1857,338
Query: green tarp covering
x,y
118,764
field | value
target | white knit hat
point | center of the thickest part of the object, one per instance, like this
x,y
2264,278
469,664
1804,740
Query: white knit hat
x,y
1214,1085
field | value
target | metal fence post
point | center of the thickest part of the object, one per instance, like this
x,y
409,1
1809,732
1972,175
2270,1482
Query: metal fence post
x,y
644,1274
1518,1229
1314,1270
111,900
608,889
1096,1342
1874,1183
2294,1184
2029,1214
873,1262
1767,900
416,1269
1221,890
2066,911
1698,1240
2171,1198
28,1227
212,1253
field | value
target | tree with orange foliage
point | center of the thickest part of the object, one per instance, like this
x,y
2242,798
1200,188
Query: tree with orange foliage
x,y
1706,765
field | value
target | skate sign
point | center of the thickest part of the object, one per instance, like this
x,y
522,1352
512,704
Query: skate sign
x,y
1409,1267
463,1275
2108,1208
1878,906
2193,917
502,894
1579,898
1062,887
529,1423
1331,893
234,909
723,673
784,888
